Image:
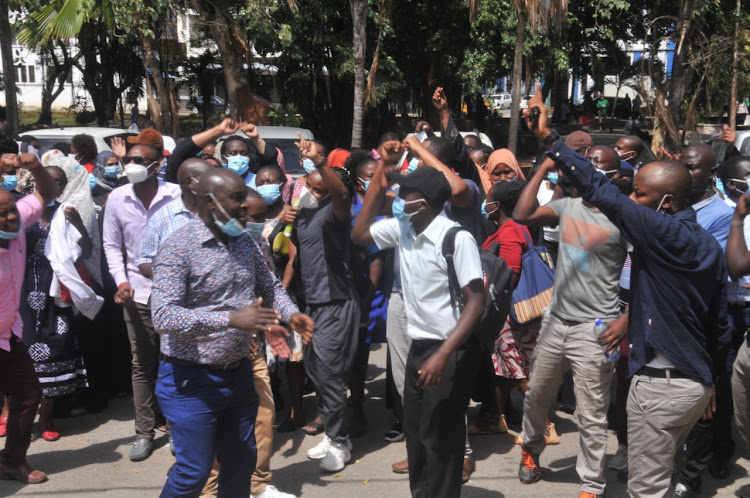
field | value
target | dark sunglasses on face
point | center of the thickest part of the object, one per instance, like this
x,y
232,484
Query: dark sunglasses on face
x,y
143,161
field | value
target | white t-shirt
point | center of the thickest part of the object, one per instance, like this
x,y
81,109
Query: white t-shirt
x,y
424,272
543,196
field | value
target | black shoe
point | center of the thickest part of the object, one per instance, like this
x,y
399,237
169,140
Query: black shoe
x,y
622,476
528,470
683,491
719,466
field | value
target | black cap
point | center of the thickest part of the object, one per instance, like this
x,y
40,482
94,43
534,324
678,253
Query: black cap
x,y
428,181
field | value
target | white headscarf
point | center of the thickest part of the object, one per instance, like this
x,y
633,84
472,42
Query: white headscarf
x,y
78,193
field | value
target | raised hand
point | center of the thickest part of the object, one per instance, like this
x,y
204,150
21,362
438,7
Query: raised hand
x,y
228,126
250,130
439,100
391,151
117,144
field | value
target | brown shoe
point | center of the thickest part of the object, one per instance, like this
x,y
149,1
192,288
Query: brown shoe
x,y
23,473
401,467
469,468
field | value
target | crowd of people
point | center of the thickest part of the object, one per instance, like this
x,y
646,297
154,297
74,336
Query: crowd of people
x,y
221,270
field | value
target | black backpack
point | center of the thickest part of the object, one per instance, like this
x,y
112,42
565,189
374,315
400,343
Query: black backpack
x,y
498,282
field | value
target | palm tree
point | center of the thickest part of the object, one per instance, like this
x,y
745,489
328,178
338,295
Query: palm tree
x,y
359,31
9,70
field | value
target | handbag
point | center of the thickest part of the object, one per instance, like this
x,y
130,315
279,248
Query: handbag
x,y
534,290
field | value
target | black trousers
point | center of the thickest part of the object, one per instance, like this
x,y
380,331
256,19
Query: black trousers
x,y
435,419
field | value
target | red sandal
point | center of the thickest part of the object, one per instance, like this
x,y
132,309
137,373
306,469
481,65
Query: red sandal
x,y
49,433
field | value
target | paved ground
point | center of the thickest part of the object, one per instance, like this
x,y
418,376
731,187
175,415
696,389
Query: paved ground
x,y
91,460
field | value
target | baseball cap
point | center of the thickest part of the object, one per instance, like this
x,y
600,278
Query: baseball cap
x,y
579,139
428,181
337,158
149,136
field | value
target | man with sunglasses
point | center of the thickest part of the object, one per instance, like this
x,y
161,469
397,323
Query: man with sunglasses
x,y
129,208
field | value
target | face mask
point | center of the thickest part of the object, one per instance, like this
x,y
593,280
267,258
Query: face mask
x,y
628,153
233,228
9,235
112,171
270,193
413,165
308,201
9,182
238,164
309,165
658,209
365,184
51,203
92,181
484,209
136,173
398,209
73,157
255,229
552,177
606,172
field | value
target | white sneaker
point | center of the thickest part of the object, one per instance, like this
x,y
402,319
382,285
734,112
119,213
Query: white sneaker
x,y
319,451
619,461
272,492
337,457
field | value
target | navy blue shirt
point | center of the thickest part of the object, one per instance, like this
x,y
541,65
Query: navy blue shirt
x,y
678,300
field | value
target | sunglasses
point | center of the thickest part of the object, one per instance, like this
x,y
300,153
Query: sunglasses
x,y
143,161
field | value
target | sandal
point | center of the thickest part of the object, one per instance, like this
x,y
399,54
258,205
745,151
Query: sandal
x,y
3,426
49,433
289,425
313,428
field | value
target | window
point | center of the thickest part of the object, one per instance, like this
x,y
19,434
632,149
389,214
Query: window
x,y
32,76
25,74
21,76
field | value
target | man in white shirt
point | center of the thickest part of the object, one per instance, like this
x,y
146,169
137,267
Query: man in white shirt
x,y
441,365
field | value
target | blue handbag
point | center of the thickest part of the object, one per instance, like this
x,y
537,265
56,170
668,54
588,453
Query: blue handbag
x,y
534,290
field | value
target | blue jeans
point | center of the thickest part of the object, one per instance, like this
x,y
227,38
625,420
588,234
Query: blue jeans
x,y
210,413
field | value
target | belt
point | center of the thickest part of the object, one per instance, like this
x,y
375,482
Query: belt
x,y
224,367
662,373
739,304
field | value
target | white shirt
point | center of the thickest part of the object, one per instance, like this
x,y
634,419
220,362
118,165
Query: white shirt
x,y
543,196
424,272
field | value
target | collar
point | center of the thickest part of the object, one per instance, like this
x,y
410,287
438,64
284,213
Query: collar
x,y
705,202
202,232
178,207
435,230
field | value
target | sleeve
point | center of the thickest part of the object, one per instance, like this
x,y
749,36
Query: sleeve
x,y
642,226
719,337
268,286
185,149
386,233
720,228
466,259
151,240
512,248
29,210
112,242
464,165
559,206
171,272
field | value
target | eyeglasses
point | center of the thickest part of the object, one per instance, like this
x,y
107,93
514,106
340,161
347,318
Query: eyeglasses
x,y
245,153
143,161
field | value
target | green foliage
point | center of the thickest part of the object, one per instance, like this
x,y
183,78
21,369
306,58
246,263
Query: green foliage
x,y
285,115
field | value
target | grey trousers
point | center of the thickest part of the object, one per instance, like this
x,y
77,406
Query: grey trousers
x,y
329,358
740,390
564,346
398,341
661,413
144,344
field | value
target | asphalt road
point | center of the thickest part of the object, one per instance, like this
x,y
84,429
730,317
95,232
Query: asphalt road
x,y
91,460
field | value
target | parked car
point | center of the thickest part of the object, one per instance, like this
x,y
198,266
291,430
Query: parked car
x,y
500,101
525,101
482,136
102,136
218,105
284,137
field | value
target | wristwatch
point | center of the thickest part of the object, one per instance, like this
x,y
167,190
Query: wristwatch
x,y
551,138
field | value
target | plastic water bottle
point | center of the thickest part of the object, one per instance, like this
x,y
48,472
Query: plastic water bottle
x,y
599,329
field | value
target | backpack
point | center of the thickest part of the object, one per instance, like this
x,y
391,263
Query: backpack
x,y
498,281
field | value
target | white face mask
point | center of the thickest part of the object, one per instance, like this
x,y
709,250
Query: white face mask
x,y
658,209
308,201
136,173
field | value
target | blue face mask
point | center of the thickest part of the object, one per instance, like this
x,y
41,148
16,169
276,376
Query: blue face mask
x,y
398,209
270,193
238,164
233,227
484,209
552,177
10,235
51,204
365,184
112,171
255,229
92,181
720,186
9,182
309,165
413,165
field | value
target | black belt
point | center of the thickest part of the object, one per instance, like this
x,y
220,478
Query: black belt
x,y
225,367
662,373
739,304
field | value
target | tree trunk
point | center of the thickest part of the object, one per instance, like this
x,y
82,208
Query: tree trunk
x,y
359,31
57,72
236,58
149,56
515,104
9,70
735,59
153,105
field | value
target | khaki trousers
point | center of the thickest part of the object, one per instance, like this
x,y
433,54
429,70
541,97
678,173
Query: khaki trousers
x,y
263,434
661,413
740,390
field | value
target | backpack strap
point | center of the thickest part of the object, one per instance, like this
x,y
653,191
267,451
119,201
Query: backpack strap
x,y
449,248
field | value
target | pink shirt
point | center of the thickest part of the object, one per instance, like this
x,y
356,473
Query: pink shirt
x,y
125,220
12,267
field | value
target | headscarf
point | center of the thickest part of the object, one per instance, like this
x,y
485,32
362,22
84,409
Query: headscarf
x,y
108,184
78,193
504,156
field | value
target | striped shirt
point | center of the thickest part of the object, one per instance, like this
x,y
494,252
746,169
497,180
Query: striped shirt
x,y
161,225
